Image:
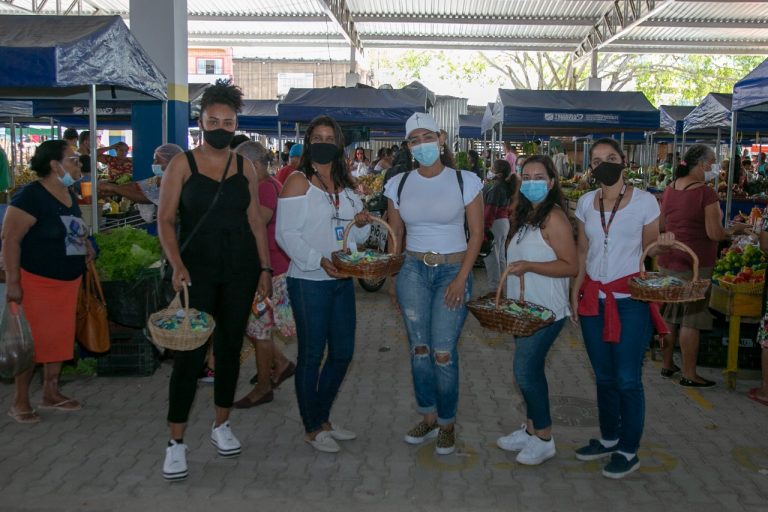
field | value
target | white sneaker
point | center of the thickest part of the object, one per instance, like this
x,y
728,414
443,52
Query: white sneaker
x,y
175,465
536,451
515,441
341,434
324,442
224,440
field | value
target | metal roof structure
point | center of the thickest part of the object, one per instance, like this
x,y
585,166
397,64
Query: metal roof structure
x,y
578,26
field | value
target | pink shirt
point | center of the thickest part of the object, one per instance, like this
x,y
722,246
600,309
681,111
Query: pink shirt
x,y
269,190
512,159
283,174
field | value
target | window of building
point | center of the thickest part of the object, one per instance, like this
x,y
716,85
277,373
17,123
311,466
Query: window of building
x,y
299,80
210,66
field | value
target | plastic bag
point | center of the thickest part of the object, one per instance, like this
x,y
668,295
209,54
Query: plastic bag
x,y
16,348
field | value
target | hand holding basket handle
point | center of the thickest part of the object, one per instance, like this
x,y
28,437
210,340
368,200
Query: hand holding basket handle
x,y
373,270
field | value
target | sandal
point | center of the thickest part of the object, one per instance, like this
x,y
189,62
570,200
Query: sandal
x,y
24,417
67,405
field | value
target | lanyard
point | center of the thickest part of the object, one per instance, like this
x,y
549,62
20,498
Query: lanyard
x,y
333,199
606,227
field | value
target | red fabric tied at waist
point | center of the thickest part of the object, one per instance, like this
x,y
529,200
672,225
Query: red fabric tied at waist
x,y
589,306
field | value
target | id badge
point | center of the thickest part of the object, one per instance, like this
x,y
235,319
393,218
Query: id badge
x,y
339,231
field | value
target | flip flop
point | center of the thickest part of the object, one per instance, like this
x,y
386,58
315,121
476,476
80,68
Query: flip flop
x,y
60,406
752,395
25,417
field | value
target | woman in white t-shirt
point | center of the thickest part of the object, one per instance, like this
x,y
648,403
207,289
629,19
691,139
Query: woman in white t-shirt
x,y
615,223
542,250
436,278
317,202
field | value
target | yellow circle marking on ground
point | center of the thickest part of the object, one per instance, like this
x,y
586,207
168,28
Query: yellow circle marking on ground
x,y
745,456
463,458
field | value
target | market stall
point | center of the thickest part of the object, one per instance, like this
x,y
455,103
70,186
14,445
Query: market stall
x,y
470,126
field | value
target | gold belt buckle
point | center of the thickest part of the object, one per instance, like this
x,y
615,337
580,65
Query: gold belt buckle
x,y
426,256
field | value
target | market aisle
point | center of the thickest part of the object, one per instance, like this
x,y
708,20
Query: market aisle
x,y
702,450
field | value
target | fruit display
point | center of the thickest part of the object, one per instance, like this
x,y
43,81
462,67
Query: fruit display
x,y
739,265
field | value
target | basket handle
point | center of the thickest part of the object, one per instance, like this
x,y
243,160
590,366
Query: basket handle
x,y
679,245
501,286
390,233
186,322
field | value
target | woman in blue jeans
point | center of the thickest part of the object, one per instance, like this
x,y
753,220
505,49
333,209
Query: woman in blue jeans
x,y
615,223
317,202
541,250
435,280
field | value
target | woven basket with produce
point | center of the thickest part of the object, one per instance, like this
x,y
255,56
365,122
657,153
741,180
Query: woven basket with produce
x,y
179,327
659,287
368,264
511,316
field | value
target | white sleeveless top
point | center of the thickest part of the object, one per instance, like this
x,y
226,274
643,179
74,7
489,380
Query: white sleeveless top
x,y
551,292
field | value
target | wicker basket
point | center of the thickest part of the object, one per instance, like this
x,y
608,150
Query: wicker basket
x,y
183,338
690,291
491,315
373,270
743,288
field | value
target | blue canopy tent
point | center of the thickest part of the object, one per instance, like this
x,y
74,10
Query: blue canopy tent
x,y
93,58
470,126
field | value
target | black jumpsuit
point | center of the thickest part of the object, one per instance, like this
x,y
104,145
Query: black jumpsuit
x,y
223,264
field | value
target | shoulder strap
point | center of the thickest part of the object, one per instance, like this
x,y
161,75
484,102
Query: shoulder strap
x,y
400,186
191,161
691,184
239,164
460,178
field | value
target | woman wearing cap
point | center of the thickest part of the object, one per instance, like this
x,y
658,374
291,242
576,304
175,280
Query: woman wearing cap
x,y
436,278
615,223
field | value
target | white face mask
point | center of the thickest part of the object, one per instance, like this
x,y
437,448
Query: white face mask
x,y
157,169
710,175
490,175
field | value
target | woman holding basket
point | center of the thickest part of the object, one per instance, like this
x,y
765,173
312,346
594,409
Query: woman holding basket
x,y
436,278
615,223
315,205
543,252
216,195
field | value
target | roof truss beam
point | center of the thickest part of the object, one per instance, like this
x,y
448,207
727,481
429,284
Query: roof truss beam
x,y
623,16
339,13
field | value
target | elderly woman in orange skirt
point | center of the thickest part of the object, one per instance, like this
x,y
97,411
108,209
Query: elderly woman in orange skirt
x,y
44,249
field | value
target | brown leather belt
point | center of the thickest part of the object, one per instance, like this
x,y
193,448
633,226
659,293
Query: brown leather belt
x,y
433,259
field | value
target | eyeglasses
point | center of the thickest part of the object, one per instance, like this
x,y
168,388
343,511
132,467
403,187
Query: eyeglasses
x,y
75,159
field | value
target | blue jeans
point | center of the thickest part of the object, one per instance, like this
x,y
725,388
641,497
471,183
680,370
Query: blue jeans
x,y
530,355
325,317
433,331
618,372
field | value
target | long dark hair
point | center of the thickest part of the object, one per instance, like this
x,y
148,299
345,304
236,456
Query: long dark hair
x,y
502,168
339,174
695,155
525,213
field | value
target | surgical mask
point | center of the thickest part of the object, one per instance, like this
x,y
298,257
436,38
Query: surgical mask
x,y
219,138
534,190
490,175
608,173
426,153
67,179
322,152
157,169
712,173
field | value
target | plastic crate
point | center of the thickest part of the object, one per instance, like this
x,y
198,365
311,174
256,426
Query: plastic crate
x,y
713,347
131,303
131,355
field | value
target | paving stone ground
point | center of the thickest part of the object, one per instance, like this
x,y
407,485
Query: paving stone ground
x,y
702,450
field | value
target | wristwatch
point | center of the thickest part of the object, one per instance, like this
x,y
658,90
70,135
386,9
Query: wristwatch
x,y
267,269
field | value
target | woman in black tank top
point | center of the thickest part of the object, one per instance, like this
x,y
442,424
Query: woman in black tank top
x,y
222,250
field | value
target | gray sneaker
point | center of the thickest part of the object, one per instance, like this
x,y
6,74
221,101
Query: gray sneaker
x,y
421,433
446,442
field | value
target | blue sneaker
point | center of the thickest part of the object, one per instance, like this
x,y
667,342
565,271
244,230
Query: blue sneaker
x,y
619,467
594,450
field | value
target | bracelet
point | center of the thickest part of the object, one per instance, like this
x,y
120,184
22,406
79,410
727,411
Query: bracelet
x,y
267,269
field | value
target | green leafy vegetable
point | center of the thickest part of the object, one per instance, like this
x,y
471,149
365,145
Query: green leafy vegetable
x,y
125,252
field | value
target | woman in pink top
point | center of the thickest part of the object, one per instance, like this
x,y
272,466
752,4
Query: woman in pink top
x,y
272,365
691,210
510,155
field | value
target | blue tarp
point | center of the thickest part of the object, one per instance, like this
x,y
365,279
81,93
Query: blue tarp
x,y
715,112
488,120
59,56
752,90
672,117
575,112
373,108
469,127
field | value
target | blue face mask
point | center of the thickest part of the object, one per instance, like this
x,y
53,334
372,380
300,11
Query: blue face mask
x,y
534,190
157,169
426,153
67,179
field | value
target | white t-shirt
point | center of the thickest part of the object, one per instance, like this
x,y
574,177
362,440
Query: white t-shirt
x,y
625,235
433,209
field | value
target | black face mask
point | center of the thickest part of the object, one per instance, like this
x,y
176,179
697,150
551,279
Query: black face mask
x,y
219,138
322,152
608,173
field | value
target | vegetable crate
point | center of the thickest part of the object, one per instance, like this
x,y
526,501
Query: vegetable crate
x,y
131,354
130,303
713,348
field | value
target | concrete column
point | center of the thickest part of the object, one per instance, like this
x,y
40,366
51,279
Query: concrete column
x,y
161,28
593,82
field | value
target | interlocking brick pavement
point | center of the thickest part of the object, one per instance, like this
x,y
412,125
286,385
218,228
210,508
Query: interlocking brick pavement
x,y
702,450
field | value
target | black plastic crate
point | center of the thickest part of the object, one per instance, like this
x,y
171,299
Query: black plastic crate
x,y
713,347
131,354
130,303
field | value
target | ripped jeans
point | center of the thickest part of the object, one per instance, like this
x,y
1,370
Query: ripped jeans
x,y
433,334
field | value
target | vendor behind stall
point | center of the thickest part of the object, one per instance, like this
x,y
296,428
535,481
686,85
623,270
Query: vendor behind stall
x,y
116,165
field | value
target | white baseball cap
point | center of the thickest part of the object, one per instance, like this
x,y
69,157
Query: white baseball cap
x,y
420,120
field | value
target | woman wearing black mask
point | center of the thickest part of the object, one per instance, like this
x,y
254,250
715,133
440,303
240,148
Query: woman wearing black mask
x,y
215,194
615,223
315,205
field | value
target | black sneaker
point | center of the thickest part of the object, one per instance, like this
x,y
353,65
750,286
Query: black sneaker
x,y
619,466
594,450
667,374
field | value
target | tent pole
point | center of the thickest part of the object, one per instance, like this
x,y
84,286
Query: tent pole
x,y
53,128
731,166
14,161
674,151
58,130
165,121
94,168
621,143
682,146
